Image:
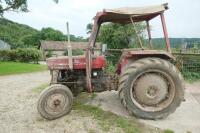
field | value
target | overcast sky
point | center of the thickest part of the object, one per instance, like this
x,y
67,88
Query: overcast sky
x,y
183,17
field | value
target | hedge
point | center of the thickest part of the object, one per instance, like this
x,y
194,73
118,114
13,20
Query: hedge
x,y
21,55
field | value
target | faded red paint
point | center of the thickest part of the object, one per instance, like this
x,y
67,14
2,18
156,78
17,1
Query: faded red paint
x,y
88,63
79,62
165,32
129,56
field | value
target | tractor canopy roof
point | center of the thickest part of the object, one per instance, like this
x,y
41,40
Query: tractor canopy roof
x,y
123,15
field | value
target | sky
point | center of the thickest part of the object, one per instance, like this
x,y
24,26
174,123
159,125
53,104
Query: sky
x,y
182,18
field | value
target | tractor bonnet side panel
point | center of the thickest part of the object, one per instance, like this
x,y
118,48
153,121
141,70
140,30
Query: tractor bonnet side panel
x,y
79,62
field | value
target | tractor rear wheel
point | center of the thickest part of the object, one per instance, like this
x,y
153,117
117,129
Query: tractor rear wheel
x,y
55,101
151,88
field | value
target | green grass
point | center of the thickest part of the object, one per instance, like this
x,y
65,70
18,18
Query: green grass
x,y
40,88
106,120
7,68
191,76
168,131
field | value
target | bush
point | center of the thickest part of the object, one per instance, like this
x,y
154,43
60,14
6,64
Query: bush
x,y
110,68
7,55
28,55
4,55
21,55
49,54
191,76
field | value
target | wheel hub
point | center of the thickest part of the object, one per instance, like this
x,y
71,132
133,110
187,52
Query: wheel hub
x,y
150,89
56,103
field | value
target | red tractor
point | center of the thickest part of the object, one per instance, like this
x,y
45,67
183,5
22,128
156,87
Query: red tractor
x,y
149,85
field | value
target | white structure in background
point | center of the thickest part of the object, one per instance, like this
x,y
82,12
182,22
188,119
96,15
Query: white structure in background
x,y
184,45
4,45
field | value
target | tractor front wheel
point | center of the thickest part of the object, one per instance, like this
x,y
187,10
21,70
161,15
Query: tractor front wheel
x,y
151,88
55,101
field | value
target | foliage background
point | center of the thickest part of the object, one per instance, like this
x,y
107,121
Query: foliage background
x,y
118,36
23,36
115,35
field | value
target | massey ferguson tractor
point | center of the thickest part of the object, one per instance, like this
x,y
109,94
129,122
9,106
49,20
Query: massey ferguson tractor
x,y
149,85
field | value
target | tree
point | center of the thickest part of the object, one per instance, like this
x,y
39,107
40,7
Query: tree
x,y
17,35
31,40
89,28
51,34
14,5
119,36
23,36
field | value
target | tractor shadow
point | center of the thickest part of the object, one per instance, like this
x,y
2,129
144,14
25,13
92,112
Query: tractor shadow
x,y
109,101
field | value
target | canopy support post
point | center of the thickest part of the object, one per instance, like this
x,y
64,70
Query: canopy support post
x,y
138,37
165,32
149,34
93,36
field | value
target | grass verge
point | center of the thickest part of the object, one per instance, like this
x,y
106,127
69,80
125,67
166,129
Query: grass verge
x,y
108,120
7,68
168,131
191,76
40,88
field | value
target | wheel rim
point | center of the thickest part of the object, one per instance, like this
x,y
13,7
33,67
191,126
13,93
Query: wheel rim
x,y
152,90
56,103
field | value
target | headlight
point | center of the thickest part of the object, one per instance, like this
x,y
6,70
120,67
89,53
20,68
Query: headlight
x,y
94,74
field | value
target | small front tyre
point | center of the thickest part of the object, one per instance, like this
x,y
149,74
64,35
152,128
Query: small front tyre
x,y
55,101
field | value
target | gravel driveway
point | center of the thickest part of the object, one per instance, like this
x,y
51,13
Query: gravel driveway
x,y
18,112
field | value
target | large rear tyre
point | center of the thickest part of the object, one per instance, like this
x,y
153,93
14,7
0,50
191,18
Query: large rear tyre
x,y
151,88
55,101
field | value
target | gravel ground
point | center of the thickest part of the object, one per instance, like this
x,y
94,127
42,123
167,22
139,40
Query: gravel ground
x,y
18,112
